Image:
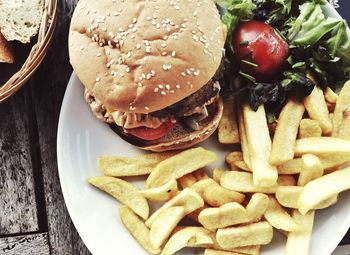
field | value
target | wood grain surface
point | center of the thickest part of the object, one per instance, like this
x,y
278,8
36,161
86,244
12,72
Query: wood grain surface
x,y
33,244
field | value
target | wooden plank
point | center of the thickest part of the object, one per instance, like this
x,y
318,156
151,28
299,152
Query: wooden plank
x,y
37,244
48,86
18,212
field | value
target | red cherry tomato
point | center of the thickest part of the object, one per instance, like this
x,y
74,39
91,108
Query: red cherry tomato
x,y
261,52
150,134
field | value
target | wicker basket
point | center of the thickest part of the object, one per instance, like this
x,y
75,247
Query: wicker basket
x,y
36,54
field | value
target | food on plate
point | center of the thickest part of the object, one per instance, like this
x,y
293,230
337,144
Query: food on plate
x,y
6,53
179,165
286,132
187,198
243,182
226,215
309,128
316,107
187,237
228,128
252,234
259,146
164,224
20,20
152,75
131,166
298,242
322,146
124,192
284,65
341,119
257,206
323,188
137,229
278,217
311,169
214,194
162,193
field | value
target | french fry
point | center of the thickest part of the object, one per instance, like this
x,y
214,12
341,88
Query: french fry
x,y
131,166
243,137
311,169
290,167
330,95
137,228
242,166
218,252
187,198
217,172
309,128
243,182
187,180
298,242
341,119
278,217
316,107
164,224
323,188
194,215
259,146
215,195
224,216
187,237
323,147
232,157
162,193
124,192
228,127
200,175
286,132
288,196
329,162
179,165
257,206
253,234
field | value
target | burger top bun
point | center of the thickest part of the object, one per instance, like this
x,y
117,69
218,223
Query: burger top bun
x,y
142,56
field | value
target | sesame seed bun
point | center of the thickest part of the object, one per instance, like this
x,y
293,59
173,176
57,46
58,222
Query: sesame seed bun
x,y
142,56
180,137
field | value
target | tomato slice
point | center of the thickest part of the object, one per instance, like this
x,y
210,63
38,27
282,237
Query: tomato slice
x,y
150,134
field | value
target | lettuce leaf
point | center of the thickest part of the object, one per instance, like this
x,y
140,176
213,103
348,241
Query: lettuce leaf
x,y
310,26
339,44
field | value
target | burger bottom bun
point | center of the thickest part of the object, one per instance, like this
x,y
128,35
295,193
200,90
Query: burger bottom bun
x,y
180,137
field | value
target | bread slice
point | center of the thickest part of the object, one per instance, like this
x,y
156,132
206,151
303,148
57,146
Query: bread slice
x,y
20,19
6,55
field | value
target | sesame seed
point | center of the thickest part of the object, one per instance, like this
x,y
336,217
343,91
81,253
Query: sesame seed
x,y
183,73
183,25
115,14
177,86
172,91
122,75
132,36
134,20
129,54
138,46
131,26
153,73
177,7
156,90
143,75
157,7
148,49
164,53
127,69
134,30
104,29
153,22
98,79
163,93
154,16
88,12
163,45
120,9
167,87
195,14
185,19
82,47
98,55
146,107
148,18
173,53
108,13
165,38
139,84
160,86
148,76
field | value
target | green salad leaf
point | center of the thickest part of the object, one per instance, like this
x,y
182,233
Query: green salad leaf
x,y
339,44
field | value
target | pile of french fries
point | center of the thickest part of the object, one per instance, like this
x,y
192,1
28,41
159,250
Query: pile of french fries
x,y
277,180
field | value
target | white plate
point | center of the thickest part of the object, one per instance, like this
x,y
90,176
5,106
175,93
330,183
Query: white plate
x,y
81,139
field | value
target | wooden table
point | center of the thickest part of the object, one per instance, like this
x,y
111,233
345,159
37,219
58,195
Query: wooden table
x,y
33,216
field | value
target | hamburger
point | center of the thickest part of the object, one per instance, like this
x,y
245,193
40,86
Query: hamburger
x,y
151,68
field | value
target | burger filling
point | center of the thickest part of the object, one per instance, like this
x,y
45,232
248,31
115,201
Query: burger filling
x,y
191,111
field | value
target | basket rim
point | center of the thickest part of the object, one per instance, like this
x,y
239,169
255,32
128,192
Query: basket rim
x,y
37,53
